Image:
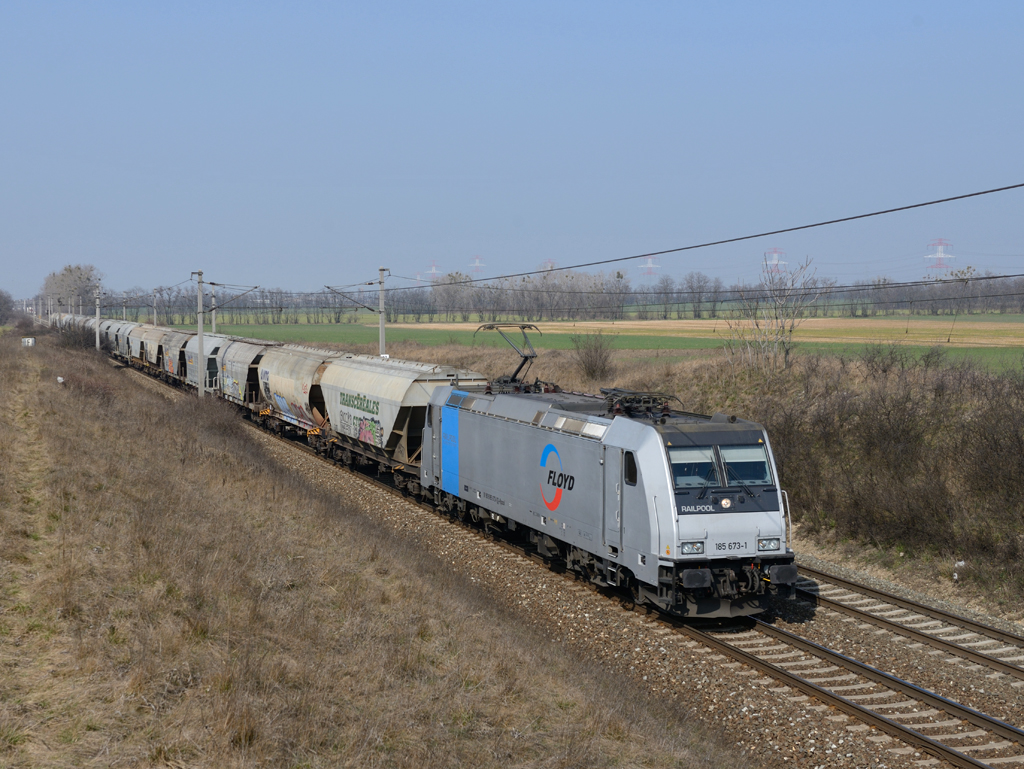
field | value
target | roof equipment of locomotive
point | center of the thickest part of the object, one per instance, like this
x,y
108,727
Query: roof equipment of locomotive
x,y
524,349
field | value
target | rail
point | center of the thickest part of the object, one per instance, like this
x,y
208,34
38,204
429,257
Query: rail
x,y
906,603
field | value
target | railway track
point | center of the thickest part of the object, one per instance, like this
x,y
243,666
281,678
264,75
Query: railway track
x,y
951,633
924,721
933,724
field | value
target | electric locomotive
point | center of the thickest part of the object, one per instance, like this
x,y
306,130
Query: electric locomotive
x,y
683,510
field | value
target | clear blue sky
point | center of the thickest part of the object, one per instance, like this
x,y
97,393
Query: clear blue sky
x,y
301,144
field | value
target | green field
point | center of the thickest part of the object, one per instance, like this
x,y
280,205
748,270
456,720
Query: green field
x,y
356,334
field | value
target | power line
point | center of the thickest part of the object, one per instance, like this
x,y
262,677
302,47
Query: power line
x,y
721,297
849,287
633,306
680,249
743,237
860,286
624,306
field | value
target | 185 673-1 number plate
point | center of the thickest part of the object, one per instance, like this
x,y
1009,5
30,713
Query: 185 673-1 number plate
x,y
728,546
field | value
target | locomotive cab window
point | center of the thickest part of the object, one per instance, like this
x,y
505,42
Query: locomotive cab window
x,y
693,466
629,468
746,465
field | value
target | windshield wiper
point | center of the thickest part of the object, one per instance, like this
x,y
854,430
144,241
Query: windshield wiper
x,y
733,473
704,489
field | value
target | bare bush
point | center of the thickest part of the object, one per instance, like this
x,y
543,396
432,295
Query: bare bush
x,y
770,313
912,456
76,337
592,354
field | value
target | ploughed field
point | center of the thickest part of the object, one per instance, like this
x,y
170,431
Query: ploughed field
x,y
175,592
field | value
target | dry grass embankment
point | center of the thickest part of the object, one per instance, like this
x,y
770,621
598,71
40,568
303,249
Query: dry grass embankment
x,y
171,596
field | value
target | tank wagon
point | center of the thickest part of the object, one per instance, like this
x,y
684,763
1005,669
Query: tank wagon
x,y
682,510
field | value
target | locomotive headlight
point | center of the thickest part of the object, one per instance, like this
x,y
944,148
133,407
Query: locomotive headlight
x,y
726,503
692,548
768,544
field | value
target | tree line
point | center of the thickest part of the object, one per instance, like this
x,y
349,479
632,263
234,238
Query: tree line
x,y
549,296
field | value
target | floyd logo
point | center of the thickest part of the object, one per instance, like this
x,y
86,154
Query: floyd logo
x,y
557,479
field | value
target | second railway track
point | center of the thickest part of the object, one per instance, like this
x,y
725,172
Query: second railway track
x,y
960,636
939,726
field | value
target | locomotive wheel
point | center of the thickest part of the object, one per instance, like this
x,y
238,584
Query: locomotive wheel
x,y
634,592
631,588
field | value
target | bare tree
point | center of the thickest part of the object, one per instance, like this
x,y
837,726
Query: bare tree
x,y
716,292
697,286
451,294
592,354
665,295
617,284
643,301
769,314
73,287
6,307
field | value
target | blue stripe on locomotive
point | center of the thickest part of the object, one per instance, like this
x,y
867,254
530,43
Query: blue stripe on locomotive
x,y
450,450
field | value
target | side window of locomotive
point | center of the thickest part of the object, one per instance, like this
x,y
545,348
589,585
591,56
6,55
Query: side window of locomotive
x,y
629,468
746,465
693,466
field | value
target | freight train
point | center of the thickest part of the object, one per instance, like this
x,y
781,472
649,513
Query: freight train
x,y
683,511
